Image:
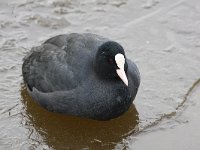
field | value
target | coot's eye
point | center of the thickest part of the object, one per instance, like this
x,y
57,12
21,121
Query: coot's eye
x,y
110,60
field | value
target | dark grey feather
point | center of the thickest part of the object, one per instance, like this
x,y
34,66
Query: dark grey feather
x,y
61,77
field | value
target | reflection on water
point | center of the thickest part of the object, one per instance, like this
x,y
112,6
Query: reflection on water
x,y
67,132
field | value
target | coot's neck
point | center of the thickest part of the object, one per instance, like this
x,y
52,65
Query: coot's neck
x,y
104,72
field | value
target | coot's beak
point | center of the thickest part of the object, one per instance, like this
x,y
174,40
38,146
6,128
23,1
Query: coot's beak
x,y
120,61
121,73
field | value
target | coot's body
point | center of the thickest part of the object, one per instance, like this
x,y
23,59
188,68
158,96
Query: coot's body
x,y
83,75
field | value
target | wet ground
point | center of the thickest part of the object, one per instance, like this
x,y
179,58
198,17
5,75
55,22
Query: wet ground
x,y
161,36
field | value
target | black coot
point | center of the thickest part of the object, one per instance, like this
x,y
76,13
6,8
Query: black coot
x,y
84,75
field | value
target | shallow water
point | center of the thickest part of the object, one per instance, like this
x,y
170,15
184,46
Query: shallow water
x,y
162,37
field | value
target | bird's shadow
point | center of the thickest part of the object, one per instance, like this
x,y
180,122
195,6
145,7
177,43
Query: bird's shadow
x,y
67,132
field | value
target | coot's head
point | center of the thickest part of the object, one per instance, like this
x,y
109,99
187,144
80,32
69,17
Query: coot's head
x,y
110,62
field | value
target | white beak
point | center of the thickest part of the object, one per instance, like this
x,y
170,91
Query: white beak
x,y
121,73
120,61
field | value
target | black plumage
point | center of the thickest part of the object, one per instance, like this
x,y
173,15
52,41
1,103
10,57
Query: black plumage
x,y
75,74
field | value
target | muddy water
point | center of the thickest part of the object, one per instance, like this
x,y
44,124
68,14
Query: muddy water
x,y
161,36
179,132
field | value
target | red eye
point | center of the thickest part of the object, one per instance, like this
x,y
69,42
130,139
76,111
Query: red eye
x,y
110,60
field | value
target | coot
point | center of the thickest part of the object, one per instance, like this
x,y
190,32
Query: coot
x,y
84,75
